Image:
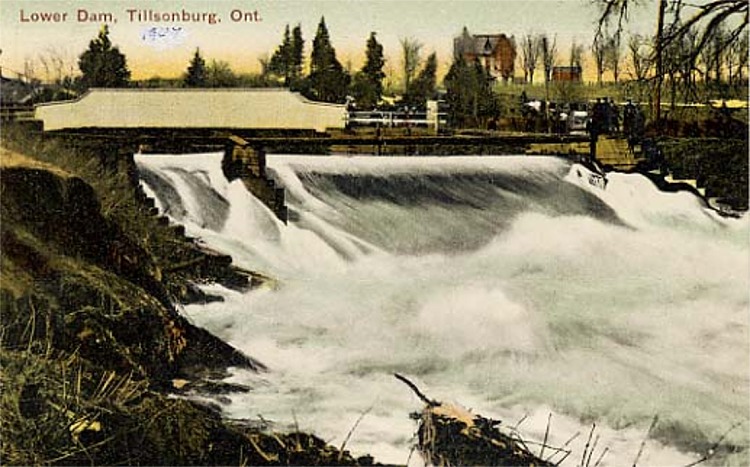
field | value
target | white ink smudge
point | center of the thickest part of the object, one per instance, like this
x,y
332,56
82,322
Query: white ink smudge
x,y
163,37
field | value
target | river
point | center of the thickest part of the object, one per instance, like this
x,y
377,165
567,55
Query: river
x,y
507,284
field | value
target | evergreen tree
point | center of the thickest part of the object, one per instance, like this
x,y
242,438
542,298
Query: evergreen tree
x,y
328,81
286,61
102,65
281,60
469,94
424,86
196,72
297,52
364,92
374,64
367,84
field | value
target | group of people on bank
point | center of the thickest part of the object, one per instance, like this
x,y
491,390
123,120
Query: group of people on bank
x,y
604,119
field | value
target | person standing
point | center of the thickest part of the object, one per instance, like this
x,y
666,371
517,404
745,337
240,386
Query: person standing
x,y
628,125
592,126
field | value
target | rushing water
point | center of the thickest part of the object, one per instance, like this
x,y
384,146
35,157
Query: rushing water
x,y
502,283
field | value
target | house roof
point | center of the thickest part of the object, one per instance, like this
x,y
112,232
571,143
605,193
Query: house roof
x,y
479,44
13,91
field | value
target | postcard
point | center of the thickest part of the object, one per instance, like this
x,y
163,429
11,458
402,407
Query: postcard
x,y
371,231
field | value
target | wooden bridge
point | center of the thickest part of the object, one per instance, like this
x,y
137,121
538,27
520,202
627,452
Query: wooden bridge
x,y
610,152
245,150
191,140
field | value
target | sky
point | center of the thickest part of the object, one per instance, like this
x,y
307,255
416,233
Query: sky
x,y
249,30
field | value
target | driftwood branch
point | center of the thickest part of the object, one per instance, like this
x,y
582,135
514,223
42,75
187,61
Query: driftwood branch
x,y
354,427
643,443
449,434
413,387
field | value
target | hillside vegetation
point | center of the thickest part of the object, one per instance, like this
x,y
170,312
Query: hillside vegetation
x,y
92,348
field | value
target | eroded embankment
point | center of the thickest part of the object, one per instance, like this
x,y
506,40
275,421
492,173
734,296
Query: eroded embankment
x,y
92,348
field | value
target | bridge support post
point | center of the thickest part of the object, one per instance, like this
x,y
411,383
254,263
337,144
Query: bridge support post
x,y
249,164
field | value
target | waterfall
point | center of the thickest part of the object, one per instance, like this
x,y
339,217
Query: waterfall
x,y
508,284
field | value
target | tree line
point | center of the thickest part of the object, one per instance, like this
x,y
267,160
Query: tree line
x,y
468,85
706,41
328,80
709,47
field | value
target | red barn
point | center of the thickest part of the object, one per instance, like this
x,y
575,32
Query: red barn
x,y
567,73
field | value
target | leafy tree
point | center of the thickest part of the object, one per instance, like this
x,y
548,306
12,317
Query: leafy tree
x,y
576,55
423,87
679,66
411,59
220,75
599,51
548,50
549,56
740,48
639,62
613,55
529,56
327,82
196,72
675,21
709,16
103,65
469,94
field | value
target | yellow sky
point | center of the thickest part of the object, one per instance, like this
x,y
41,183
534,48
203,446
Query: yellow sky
x,y
248,30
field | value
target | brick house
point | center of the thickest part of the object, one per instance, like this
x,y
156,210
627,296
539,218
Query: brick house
x,y
496,52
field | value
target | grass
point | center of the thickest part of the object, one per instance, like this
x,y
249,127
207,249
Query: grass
x,y
719,164
90,342
113,180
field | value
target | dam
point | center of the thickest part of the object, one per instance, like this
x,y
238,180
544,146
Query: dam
x,y
501,282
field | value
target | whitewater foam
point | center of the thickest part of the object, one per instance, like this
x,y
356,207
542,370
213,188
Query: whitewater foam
x,y
497,282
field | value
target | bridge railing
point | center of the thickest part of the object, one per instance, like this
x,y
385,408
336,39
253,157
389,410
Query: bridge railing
x,y
395,119
15,112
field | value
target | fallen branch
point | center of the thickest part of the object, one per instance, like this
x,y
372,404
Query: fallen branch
x,y
413,387
562,449
601,457
588,443
643,443
448,434
546,435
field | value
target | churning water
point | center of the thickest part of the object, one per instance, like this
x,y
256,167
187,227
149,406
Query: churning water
x,y
503,283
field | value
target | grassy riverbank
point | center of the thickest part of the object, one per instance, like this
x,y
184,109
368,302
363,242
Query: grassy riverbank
x,y
718,164
92,348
